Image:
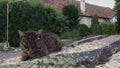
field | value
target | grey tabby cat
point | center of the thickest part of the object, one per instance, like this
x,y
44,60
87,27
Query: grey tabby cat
x,y
38,44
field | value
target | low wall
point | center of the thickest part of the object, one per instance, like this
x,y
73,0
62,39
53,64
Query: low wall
x,y
69,43
84,55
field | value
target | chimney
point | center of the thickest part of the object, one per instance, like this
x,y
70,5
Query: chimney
x,y
82,6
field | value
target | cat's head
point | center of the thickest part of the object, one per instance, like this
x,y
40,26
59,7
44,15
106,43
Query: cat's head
x,y
30,40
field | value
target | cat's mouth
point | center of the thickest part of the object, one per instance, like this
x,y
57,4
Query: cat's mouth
x,y
30,52
33,51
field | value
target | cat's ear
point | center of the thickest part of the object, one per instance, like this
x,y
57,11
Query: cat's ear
x,y
21,33
39,33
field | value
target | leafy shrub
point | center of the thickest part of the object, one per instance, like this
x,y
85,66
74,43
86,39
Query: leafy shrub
x,y
1,48
71,34
108,28
72,14
95,26
3,21
83,30
80,31
117,13
117,27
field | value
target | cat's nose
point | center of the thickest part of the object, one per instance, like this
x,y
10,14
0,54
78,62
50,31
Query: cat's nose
x,y
30,51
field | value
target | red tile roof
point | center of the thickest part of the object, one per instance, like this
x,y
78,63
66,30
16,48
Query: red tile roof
x,y
57,4
103,12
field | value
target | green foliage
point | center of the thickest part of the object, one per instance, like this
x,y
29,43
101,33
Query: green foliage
x,y
71,34
80,31
117,1
26,15
3,21
95,26
1,48
72,14
94,20
117,9
83,30
108,28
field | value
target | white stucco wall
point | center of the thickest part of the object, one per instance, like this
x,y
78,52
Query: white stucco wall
x,y
113,20
87,20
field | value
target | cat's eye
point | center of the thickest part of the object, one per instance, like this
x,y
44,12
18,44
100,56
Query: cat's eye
x,y
23,38
38,38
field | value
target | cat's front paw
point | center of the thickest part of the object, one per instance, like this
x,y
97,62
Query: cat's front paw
x,y
25,58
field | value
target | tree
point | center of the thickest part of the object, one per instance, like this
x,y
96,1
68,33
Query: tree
x,y
95,26
3,21
117,9
72,14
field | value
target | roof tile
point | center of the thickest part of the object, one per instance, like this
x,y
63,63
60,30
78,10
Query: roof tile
x,y
103,12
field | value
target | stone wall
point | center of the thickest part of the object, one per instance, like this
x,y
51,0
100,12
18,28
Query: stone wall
x,y
84,55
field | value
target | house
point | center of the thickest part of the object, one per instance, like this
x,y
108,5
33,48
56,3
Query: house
x,y
87,10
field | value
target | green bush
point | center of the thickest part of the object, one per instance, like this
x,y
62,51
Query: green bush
x,y
95,26
3,21
71,34
29,15
1,48
83,30
108,28
72,14
80,31
117,15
